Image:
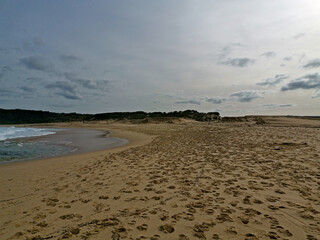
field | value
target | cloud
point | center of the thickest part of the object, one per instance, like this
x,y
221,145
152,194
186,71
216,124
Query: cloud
x,y
4,70
237,62
309,81
27,89
37,63
317,94
216,100
34,79
269,54
6,92
269,105
287,59
32,44
225,52
313,63
189,102
69,59
245,95
87,83
65,90
276,105
273,81
300,35
223,58
285,105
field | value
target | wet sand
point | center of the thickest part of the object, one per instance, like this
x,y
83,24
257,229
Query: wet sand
x,y
186,180
83,140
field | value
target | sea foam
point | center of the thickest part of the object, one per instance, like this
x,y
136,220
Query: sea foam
x,y
14,132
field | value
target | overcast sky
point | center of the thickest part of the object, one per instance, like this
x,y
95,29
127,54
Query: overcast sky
x,y
235,57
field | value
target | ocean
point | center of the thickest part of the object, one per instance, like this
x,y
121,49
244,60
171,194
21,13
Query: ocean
x,y
13,132
14,147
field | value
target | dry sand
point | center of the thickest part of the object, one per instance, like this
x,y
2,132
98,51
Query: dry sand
x,y
186,180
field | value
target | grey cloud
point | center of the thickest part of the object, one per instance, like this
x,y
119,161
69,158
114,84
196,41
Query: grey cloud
x,y
225,52
27,89
273,81
269,54
216,100
4,70
86,83
287,59
300,35
188,102
69,95
229,106
68,59
34,79
62,105
65,90
317,94
7,68
245,96
37,63
237,62
313,63
234,62
32,44
285,105
276,105
269,105
6,92
309,81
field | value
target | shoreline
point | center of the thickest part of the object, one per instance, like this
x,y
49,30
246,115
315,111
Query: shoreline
x,y
74,140
133,139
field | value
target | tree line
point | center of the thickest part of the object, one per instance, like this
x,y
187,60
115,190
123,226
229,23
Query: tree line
x,y
20,116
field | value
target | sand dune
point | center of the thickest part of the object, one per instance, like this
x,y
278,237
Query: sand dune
x,y
187,180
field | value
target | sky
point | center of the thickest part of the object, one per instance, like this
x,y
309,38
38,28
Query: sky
x,y
235,57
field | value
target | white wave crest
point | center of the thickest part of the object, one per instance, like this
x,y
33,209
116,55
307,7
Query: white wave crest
x,y
14,132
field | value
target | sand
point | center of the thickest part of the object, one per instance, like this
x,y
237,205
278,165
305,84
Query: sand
x,y
183,180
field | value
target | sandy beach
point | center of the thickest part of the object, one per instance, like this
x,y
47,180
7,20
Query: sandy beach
x,y
177,180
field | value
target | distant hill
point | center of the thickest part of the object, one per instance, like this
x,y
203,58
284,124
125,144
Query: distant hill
x,y
19,116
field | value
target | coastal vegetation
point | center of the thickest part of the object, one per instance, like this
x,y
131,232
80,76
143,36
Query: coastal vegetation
x,y
20,116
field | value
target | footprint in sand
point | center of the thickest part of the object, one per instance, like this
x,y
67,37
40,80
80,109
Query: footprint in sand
x,y
200,229
216,237
166,228
70,216
42,224
272,199
142,227
119,233
251,236
246,200
283,231
232,231
183,237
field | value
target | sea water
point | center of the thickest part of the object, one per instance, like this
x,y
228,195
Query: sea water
x,y
14,148
13,132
